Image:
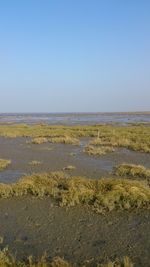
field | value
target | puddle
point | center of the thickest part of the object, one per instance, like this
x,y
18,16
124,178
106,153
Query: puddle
x,y
10,176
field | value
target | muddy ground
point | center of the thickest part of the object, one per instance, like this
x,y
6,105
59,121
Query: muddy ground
x,y
33,226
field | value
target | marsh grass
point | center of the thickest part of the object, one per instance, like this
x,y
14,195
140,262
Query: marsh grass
x,y
4,163
65,140
101,195
134,137
98,150
132,170
60,139
8,260
39,140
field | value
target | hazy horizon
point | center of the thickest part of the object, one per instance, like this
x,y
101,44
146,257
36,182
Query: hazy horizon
x,y
74,56
77,112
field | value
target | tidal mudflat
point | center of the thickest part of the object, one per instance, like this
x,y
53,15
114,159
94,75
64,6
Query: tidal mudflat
x,y
58,198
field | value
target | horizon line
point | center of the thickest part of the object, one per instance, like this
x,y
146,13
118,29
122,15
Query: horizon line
x,y
77,112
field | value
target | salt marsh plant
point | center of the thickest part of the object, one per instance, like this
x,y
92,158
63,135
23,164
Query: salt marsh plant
x,y
39,140
135,137
101,195
7,259
60,139
98,150
132,170
4,163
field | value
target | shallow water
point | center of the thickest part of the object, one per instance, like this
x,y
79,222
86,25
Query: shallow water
x,y
10,176
54,157
75,118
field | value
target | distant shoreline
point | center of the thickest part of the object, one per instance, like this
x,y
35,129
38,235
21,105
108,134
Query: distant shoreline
x,y
78,113
82,118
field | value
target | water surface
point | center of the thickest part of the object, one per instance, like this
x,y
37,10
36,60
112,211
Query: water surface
x,y
75,118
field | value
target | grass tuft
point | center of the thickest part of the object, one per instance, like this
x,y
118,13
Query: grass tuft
x,y
39,140
132,170
102,195
98,150
8,260
4,163
69,168
64,140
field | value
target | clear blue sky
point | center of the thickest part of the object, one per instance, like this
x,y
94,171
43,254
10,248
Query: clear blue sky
x,y
74,55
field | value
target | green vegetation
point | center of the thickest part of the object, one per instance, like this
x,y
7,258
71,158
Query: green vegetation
x,y
8,260
135,137
64,140
132,170
4,163
39,140
102,195
98,150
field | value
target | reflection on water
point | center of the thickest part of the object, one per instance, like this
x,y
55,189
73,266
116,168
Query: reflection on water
x,y
75,118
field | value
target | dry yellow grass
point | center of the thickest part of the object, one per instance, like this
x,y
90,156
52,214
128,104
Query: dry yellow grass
x,y
98,150
132,170
60,139
8,260
101,195
39,140
4,163
64,140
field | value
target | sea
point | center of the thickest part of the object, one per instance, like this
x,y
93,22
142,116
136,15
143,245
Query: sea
x,y
75,118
